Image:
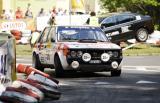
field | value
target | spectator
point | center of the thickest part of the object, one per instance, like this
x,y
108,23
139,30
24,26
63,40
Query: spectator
x,y
41,13
52,17
34,37
19,13
60,12
65,12
53,12
3,15
28,13
10,15
93,20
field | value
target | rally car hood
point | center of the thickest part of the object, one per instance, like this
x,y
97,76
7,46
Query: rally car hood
x,y
98,45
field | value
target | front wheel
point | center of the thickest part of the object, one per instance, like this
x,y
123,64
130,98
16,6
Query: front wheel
x,y
142,35
36,63
116,72
59,72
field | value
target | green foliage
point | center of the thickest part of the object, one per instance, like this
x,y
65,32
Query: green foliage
x,y
23,50
143,49
147,7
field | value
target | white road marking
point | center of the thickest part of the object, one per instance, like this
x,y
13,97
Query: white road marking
x,y
145,82
20,59
142,68
63,84
102,83
129,66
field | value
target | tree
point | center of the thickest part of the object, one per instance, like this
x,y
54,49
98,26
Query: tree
x,y
146,7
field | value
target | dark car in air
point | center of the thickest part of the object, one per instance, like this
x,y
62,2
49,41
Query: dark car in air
x,y
124,26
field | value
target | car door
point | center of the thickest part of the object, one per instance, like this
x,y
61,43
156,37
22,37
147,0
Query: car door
x,y
43,46
108,25
125,22
51,45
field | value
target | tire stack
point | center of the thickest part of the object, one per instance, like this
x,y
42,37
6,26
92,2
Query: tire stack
x,y
22,37
17,34
37,86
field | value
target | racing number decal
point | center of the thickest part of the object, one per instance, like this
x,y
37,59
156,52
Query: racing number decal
x,y
125,29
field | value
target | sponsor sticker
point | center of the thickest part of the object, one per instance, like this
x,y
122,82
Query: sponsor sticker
x,y
138,17
125,29
13,25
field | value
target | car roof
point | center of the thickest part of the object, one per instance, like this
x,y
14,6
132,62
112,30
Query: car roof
x,y
127,13
73,26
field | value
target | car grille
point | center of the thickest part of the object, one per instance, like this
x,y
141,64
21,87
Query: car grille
x,y
96,54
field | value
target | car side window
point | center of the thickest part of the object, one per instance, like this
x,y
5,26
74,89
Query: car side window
x,y
52,34
44,35
111,21
125,18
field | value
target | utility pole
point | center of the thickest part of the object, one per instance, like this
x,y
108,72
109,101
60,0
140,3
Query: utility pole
x,y
70,8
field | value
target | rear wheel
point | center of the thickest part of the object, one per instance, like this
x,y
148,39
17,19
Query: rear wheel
x,y
142,35
36,63
59,72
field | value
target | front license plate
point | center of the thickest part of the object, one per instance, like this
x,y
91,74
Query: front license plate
x,y
95,61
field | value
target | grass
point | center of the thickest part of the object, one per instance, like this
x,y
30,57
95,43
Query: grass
x,y
137,50
142,49
23,51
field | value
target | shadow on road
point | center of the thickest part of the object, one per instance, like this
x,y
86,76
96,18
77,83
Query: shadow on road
x,y
75,74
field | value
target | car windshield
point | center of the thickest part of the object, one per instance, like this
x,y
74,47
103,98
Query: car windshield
x,y
80,34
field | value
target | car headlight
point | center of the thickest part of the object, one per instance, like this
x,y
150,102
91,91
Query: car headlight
x,y
105,57
115,54
73,54
110,53
79,53
86,57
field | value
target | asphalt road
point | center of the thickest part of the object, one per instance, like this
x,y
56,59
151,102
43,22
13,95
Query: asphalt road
x,y
139,83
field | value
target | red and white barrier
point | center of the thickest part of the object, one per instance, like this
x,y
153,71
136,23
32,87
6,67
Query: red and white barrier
x,y
19,95
32,90
28,69
28,85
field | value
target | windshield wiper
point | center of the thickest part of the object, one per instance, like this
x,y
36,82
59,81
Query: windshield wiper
x,y
100,41
88,40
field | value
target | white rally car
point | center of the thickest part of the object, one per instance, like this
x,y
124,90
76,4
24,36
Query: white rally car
x,y
78,48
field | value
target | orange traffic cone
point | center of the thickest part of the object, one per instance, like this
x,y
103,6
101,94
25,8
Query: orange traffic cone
x,y
28,69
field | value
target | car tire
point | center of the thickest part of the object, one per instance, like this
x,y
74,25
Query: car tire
x,y
116,72
141,35
59,72
36,63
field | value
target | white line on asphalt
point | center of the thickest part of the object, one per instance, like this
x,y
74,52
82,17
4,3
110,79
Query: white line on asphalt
x,y
144,82
63,84
102,83
23,59
131,66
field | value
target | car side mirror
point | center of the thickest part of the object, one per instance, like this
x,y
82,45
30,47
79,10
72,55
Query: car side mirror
x,y
52,40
